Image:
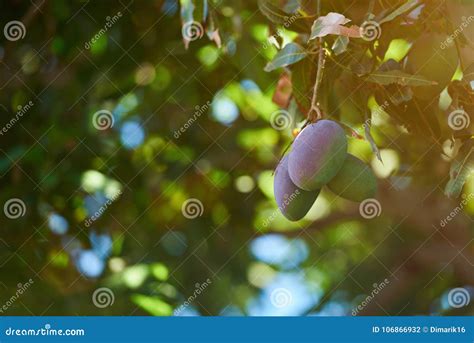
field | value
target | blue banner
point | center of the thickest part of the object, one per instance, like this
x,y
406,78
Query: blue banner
x,y
237,329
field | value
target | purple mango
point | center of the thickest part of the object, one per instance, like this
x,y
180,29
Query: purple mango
x,y
292,201
317,155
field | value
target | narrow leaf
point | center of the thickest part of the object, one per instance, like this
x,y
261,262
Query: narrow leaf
x,y
290,54
368,136
461,169
399,77
296,21
399,11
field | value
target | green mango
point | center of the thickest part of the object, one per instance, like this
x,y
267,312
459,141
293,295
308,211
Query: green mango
x,y
355,181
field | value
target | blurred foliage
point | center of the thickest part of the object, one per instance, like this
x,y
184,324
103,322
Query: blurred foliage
x,y
192,119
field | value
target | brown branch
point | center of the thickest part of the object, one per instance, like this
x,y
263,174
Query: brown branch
x,y
319,75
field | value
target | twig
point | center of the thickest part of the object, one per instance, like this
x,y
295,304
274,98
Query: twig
x,y
319,75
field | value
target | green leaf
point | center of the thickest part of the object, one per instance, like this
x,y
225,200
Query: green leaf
x,y
399,77
290,54
373,145
399,94
153,305
293,21
340,45
302,80
461,169
272,12
159,271
400,10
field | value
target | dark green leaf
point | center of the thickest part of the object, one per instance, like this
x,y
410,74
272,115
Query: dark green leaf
x,y
461,170
399,77
292,21
302,79
400,10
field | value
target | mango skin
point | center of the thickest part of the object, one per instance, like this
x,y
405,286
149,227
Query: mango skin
x,y
292,201
355,181
317,154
